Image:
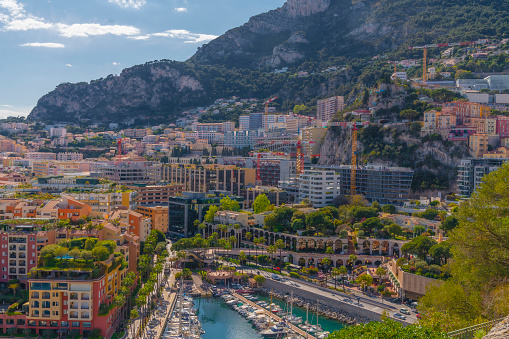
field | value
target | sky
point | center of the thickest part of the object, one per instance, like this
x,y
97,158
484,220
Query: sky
x,y
44,43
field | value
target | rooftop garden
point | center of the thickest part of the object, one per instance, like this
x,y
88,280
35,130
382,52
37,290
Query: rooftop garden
x,y
82,255
425,256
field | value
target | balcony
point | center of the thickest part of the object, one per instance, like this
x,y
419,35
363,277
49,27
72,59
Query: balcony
x,y
22,248
73,306
12,248
22,255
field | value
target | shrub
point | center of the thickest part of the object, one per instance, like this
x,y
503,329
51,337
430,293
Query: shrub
x,y
294,275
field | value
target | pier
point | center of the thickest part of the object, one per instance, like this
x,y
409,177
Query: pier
x,y
294,328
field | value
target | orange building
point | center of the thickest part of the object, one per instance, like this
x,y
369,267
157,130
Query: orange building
x,y
72,209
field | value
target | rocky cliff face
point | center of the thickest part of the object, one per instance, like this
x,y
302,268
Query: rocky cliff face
x,y
297,8
140,91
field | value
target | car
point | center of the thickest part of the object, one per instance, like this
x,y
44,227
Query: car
x,y
399,316
275,277
405,311
418,316
415,310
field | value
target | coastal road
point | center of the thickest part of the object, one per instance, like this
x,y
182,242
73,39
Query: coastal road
x,y
355,299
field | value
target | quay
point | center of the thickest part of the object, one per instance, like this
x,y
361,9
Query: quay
x,y
272,315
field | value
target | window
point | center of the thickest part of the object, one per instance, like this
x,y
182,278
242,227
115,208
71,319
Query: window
x,y
43,323
53,323
64,324
87,324
32,323
75,324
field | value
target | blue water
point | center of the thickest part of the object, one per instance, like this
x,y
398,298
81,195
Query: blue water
x,y
221,322
326,323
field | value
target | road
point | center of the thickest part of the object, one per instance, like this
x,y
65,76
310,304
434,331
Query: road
x,y
161,317
355,298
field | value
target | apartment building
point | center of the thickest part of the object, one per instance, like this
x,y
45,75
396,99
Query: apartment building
x,y
69,156
158,215
55,132
69,208
137,133
19,255
276,195
105,202
204,178
479,144
471,172
328,107
272,169
319,185
312,138
387,185
40,156
150,195
183,211
241,139
129,172
220,127
136,223
498,153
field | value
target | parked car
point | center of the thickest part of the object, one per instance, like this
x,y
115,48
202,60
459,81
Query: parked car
x,y
415,310
418,316
405,311
399,316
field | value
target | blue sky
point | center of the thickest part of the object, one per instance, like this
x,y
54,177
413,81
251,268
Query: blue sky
x,y
47,42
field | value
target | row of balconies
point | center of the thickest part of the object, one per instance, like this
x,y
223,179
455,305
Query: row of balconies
x,y
20,255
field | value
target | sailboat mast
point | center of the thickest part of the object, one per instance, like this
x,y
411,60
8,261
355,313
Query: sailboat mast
x,y
317,314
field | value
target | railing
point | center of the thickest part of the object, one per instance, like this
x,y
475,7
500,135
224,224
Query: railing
x,y
469,332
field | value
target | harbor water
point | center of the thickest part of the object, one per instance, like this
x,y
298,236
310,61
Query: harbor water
x,y
220,321
326,323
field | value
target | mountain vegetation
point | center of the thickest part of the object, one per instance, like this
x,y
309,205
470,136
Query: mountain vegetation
x,y
303,35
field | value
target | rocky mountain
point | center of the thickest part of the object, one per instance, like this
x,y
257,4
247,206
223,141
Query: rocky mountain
x,y
302,34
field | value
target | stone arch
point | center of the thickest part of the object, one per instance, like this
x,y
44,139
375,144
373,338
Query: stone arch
x,y
290,259
329,243
339,246
358,262
302,244
378,263
395,250
302,262
320,245
311,262
339,263
385,248
369,263
366,247
311,244
294,244
271,241
349,264
375,248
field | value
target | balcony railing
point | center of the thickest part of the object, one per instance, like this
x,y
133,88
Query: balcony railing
x,y
73,316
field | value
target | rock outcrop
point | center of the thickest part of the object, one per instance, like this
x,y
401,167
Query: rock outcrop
x,y
500,331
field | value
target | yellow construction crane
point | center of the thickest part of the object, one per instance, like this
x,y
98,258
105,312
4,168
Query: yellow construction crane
x,y
353,178
355,128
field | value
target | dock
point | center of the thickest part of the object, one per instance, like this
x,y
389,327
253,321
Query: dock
x,y
294,328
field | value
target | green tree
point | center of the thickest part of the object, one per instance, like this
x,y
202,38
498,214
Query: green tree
x,y
260,279
364,280
419,245
100,253
14,287
449,223
261,204
74,254
211,212
279,245
387,329
228,204
389,209
441,252
409,114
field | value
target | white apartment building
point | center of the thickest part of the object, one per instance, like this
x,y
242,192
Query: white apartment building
x,y
69,156
107,202
57,132
244,123
240,139
328,107
319,186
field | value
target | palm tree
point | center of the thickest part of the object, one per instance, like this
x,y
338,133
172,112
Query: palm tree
x,y
380,271
279,245
343,271
202,227
271,250
326,262
335,273
13,287
248,236
242,258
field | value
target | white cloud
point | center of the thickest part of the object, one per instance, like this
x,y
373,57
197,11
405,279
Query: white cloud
x,y
180,9
129,3
14,9
115,63
27,24
68,65
43,44
6,105
190,38
85,30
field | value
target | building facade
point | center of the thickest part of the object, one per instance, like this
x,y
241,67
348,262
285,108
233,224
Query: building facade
x,y
328,107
